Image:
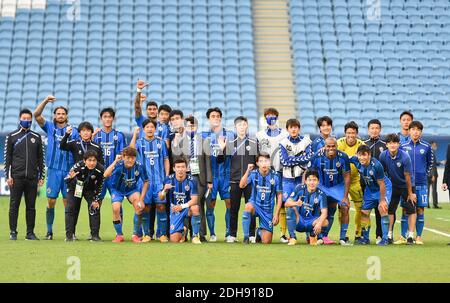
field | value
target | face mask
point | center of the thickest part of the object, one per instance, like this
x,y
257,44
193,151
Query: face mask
x,y
25,124
271,120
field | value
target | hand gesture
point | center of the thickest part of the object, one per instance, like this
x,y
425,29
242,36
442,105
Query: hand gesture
x,y
141,84
318,227
137,130
97,130
222,142
95,205
50,99
250,167
73,174
167,187
118,158
412,198
69,130
275,220
345,201
143,98
176,208
383,207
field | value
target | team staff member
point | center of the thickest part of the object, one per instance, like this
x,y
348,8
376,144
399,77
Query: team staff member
x,y
85,180
24,170
242,151
377,146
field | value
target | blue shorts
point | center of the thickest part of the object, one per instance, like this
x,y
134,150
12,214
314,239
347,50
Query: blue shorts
x,y
56,184
177,221
152,195
334,194
221,185
117,196
265,217
289,185
107,185
372,199
306,224
422,196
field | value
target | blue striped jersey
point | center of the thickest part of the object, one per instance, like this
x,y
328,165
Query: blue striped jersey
x,y
312,202
181,192
125,179
152,154
422,159
162,129
219,169
331,171
112,144
55,158
370,174
264,189
317,144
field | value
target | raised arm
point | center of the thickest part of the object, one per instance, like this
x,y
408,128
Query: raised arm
x,y
38,111
139,99
108,172
135,135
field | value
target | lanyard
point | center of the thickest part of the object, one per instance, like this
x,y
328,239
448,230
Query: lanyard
x,y
20,140
240,145
83,147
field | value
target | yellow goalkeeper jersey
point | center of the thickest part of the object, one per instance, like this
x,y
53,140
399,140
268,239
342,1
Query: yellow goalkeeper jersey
x,y
350,151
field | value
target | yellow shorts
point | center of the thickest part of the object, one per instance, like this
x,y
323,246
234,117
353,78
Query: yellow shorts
x,y
355,191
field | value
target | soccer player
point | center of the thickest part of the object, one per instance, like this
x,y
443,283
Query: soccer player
x,y
266,187
130,180
292,171
406,118
181,190
268,140
377,146
377,193
58,162
85,180
152,153
311,205
397,165
349,144
221,171
422,159
325,125
333,167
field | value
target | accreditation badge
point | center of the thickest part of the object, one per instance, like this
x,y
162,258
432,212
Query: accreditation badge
x,y
194,166
79,189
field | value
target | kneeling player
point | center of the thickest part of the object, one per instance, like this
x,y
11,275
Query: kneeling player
x,y
311,205
377,193
127,176
181,190
266,185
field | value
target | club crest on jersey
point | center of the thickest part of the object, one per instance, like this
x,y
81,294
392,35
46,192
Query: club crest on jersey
x,y
172,227
187,188
288,148
136,173
338,164
80,152
248,148
115,138
422,151
49,190
316,200
158,145
33,140
293,194
381,149
160,128
371,172
265,143
285,194
399,164
93,177
272,181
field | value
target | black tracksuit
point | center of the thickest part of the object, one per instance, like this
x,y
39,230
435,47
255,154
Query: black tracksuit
x,y
24,163
377,146
92,187
79,147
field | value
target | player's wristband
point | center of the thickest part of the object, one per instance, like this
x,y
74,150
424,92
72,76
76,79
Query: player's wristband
x,y
185,205
138,90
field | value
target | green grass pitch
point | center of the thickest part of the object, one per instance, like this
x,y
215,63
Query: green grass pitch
x,y
46,261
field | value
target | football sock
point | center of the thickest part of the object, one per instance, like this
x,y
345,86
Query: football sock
x,y
50,218
210,218
420,223
290,221
246,219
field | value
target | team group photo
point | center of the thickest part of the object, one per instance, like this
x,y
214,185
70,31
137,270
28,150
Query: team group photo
x,y
225,141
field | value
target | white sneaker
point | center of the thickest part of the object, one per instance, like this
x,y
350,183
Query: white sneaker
x,y
231,239
213,238
252,240
378,240
284,239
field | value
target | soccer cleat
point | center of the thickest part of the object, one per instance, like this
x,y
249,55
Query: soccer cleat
x,y
383,242
13,236
48,236
231,239
362,241
391,241
213,238
246,241
196,240
89,238
31,237
419,241
203,239
312,240
319,242
328,241
118,239
378,240
163,239
227,238
292,242
345,242
135,239
284,239
74,237
356,239
146,239
253,239
410,241
400,241
68,239
96,238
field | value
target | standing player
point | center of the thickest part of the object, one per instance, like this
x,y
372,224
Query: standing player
x,y
112,142
130,180
325,125
377,146
58,162
377,193
349,144
269,140
293,145
266,187
311,205
405,119
152,153
181,190
397,165
422,159
221,171
79,147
